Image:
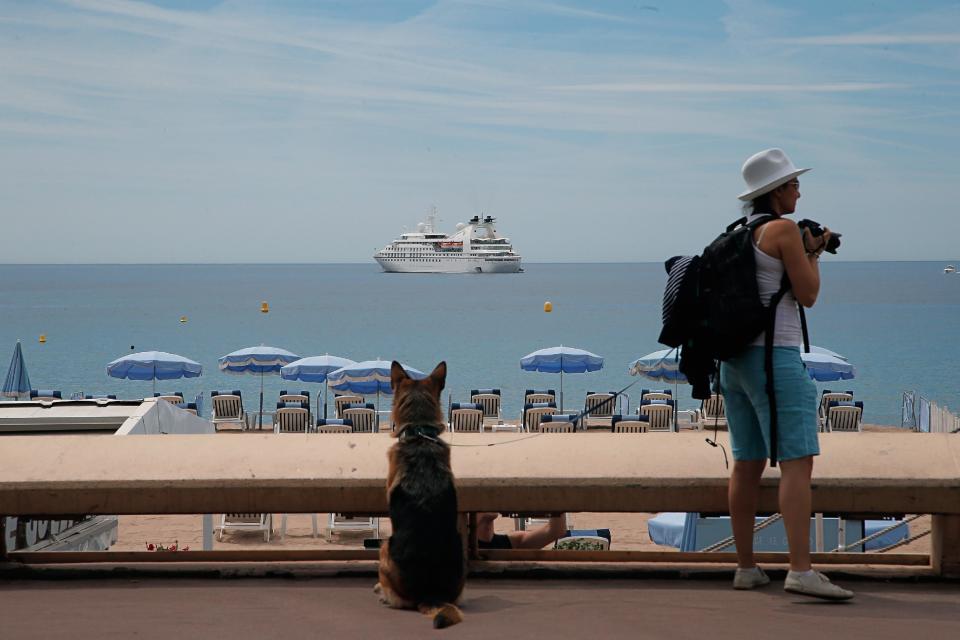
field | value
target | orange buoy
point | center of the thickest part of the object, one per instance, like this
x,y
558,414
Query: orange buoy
x,y
183,319
264,307
547,306
42,338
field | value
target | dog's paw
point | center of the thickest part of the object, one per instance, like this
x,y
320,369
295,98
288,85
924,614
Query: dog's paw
x,y
377,589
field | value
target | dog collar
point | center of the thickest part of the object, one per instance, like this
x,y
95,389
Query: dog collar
x,y
425,431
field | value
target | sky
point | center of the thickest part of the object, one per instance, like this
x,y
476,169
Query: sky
x,y
308,131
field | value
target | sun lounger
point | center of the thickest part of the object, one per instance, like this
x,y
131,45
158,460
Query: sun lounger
x,y
826,398
466,417
45,395
247,522
659,412
292,417
228,409
712,412
558,423
489,399
533,396
334,425
598,408
340,402
363,416
630,424
656,394
175,397
533,412
100,396
845,416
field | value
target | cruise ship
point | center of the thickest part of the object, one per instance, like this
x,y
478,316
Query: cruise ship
x,y
474,247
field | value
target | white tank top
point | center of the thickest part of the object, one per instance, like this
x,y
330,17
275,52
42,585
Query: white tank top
x,y
787,331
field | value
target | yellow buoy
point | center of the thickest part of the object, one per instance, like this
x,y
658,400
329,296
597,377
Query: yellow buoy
x,y
264,307
42,338
547,306
183,319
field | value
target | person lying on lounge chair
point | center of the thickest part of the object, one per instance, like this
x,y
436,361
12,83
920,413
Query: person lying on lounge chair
x,y
536,538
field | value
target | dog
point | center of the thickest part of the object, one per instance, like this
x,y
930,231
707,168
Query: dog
x,y
423,563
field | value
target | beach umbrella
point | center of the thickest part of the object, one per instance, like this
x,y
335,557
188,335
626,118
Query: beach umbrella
x,y
262,360
314,369
153,365
561,360
17,382
661,366
368,377
826,352
827,368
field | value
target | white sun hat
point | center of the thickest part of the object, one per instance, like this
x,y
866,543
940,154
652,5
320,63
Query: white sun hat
x,y
767,170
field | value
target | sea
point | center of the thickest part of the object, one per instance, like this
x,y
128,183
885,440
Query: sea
x,y
897,322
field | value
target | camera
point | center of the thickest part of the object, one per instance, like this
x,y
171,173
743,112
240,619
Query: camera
x,y
816,231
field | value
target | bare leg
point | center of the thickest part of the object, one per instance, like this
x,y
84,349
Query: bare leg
x,y
795,507
743,492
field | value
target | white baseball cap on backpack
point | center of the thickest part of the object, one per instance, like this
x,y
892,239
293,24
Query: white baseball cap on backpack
x,y
767,170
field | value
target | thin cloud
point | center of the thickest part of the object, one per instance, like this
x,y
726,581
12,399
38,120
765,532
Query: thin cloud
x,y
718,87
873,39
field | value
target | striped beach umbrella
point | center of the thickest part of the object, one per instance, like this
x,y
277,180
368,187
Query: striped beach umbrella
x,y
561,360
17,382
315,369
154,365
262,360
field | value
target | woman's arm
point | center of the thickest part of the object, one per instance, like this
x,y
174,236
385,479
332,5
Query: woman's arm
x,y
800,255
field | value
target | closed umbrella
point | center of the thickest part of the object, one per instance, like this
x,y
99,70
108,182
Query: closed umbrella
x,y
153,365
17,382
561,360
314,369
368,377
257,360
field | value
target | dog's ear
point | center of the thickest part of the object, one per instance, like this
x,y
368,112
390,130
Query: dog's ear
x,y
438,377
397,375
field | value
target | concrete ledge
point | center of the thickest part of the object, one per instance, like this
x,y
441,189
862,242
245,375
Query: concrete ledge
x,y
857,473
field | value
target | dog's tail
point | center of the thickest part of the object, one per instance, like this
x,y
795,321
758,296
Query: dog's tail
x,y
443,615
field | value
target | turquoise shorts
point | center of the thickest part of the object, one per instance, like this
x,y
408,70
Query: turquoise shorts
x,y
743,385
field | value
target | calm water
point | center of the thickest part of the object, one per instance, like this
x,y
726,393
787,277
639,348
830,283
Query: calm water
x,y
896,321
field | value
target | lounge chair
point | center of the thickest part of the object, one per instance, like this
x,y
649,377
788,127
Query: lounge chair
x,y
845,416
100,396
656,394
533,412
247,522
659,412
45,395
598,408
712,412
826,398
629,424
558,423
334,425
228,409
533,396
489,399
466,417
363,416
174,397
340,402
292,417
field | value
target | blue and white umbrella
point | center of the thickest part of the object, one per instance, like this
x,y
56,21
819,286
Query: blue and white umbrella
x,y
258,360
827,368
17,382
153,365
662,366
368,377
561,360
315,369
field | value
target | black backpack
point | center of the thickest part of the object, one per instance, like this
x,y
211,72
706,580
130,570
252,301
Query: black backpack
x,y
712,309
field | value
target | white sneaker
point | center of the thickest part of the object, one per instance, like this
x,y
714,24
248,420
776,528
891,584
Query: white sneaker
x,y
815,584
750,578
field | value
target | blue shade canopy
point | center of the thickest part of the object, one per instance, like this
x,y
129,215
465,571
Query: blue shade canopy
x,y
824,368
262,359
561,360
153,365
660,365
17,382
314,368
367,377
826,352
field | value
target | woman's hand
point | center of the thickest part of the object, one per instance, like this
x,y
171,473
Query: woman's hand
x,y
815,244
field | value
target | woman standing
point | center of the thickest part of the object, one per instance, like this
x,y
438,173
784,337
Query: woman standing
x,y
773,188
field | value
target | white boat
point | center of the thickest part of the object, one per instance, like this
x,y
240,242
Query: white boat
x,y
474,247
949,269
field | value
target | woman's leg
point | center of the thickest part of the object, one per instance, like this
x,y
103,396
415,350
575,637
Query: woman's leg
x,y
742,496
795,507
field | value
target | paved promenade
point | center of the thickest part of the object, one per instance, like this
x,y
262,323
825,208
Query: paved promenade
x,y
344,607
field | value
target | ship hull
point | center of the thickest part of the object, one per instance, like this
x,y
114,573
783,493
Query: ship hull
x,y
448,264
